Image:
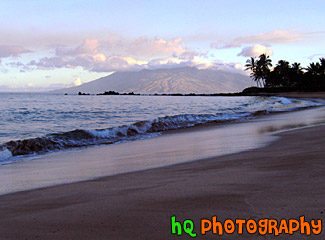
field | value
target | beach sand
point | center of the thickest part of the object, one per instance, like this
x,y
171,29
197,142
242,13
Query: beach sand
x,y
285,179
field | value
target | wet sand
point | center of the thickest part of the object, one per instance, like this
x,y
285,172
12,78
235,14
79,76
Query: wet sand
x,y
283,180
175,147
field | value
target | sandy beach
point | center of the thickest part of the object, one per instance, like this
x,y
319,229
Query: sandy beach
x,y
284,179
162,120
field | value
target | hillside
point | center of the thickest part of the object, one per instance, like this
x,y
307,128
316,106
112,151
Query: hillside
x,y
177,80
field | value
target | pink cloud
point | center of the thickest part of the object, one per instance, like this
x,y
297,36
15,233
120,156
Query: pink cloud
x,y
218,45
48,63
127,63
94,55
268,38
145,46
316,55
12,51
125,55
89,46
275,37
119,63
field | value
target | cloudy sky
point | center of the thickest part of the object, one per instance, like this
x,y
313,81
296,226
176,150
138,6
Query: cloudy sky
x,y
53,44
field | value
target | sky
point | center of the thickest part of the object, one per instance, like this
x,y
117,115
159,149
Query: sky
x,y
46,45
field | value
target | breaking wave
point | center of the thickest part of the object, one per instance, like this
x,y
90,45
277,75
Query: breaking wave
x,y
82,138
138,130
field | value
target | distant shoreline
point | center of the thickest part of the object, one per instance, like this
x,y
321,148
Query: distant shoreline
x,y
245,92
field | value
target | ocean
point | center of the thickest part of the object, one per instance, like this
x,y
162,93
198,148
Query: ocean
x,y
36,123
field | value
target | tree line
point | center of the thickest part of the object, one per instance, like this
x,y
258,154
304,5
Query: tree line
x,y
285,75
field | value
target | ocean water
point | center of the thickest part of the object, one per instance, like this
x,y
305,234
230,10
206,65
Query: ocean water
x,y
32,123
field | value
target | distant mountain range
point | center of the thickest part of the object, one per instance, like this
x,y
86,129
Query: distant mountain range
x,y
176,80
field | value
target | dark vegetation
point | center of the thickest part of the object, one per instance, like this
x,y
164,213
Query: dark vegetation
x,y
285,77
166,94
80,93
109,93
117,93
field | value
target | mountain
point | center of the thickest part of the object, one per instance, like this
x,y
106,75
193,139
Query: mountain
x,y
176,80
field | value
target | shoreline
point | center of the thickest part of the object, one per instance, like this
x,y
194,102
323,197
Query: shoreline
x,y
173,147
284,179
30,144
299,94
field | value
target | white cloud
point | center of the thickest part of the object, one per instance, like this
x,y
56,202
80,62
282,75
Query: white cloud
x,y
255,51
119,63
193,59
77,82
99,57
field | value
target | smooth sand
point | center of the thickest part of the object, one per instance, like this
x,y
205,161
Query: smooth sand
x,y
285,179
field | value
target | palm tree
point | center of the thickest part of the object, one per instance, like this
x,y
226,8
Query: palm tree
x,y
322,74
314,78
260,68
263,65
283,64
297,68
296,75
251,65
286,76
322,66
313,69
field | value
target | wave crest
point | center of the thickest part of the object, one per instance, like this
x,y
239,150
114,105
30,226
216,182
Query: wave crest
x,y
82,138
137,130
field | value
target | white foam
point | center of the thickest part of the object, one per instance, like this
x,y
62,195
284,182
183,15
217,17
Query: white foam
x,y
108,133
5,154
162,124
283,100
